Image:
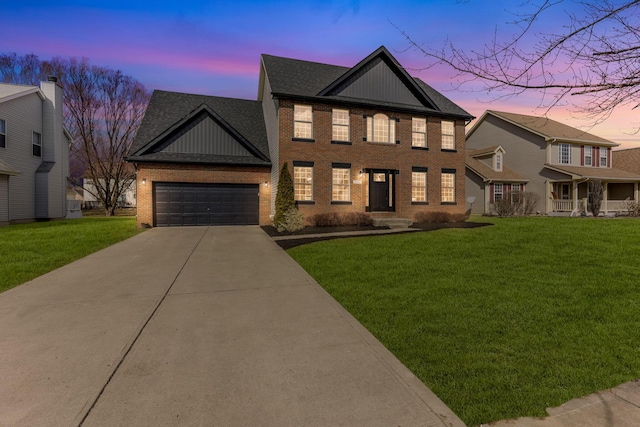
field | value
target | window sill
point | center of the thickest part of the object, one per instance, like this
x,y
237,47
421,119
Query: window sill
x,y
448,150
340,142
335,202
414,147
381,143
303,140
420,203
305,202
448,203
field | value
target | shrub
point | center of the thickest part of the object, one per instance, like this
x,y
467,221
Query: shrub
x,y
423,217
284,197
516,203
632,207
292,220
334,219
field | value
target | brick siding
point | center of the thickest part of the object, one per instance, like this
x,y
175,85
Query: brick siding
x,y
161,172
362,155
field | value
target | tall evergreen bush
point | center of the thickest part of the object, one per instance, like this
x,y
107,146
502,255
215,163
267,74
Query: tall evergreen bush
x,y
284,197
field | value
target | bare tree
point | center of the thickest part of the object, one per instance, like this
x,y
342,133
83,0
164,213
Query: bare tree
x,y
594,57
102,110
596,190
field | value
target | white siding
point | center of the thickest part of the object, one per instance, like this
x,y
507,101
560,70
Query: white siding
x,y
23,116
4,199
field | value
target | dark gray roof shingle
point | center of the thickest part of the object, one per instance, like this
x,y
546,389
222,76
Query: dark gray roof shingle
x,y
166,109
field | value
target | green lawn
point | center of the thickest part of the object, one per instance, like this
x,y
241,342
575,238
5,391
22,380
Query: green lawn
x,y
30,250
501,321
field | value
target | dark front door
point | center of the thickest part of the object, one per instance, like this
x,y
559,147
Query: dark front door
x,y
379,191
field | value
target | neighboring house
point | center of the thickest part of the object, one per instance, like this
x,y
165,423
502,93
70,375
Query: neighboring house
x,y
488,180
34,153
126,200
627,159
370,138
558,160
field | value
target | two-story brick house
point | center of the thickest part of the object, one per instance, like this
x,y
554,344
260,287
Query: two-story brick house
x,y
369,138
558,161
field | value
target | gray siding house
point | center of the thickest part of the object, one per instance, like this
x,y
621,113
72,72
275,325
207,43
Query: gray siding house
x,y
558,160
34,153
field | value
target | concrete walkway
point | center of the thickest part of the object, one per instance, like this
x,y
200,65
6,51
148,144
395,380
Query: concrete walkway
x,y
196,326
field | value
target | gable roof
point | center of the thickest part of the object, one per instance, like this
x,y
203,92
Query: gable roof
x,y
488,173
6,169
550,130
313,81
582,172
11,91
168,112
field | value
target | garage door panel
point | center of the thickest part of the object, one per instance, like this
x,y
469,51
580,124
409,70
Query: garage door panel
x,y
206,204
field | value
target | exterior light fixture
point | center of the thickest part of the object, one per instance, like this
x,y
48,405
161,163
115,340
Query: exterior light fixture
x,y
144,181
266,183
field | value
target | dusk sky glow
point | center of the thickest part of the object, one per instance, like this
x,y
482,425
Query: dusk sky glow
x,y
214,47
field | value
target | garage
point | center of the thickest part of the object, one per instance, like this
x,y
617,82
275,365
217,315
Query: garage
x,y
180,204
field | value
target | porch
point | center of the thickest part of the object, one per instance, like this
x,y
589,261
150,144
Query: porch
x,y
572,197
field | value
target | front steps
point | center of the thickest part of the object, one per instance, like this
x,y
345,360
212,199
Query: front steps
x,y
392,222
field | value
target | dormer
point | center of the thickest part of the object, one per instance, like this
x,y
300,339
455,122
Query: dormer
x,y
492,157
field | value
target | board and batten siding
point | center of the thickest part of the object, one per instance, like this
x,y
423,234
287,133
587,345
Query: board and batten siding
x,y
23,116
270,112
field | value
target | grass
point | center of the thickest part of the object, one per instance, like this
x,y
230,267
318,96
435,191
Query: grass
x,y
503,321
30,250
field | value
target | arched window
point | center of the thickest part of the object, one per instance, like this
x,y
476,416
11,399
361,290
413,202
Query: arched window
x,y
380,128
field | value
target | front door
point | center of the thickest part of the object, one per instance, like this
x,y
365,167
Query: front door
x,y
380,191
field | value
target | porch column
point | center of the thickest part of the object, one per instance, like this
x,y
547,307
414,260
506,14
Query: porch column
x,y
635,191
575,195
548,196
604,198
487,198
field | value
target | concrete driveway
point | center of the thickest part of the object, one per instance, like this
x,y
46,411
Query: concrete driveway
x,y
196,326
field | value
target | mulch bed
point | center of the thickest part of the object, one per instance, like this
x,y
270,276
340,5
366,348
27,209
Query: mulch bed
x,y
290,243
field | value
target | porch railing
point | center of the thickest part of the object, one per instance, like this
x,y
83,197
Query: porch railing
x,y
562,205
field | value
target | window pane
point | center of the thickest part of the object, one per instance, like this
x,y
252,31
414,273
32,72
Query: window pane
x,y
379,177
3,126
303,183
340,188
418,186
448,135
381,128
302,113
340,117
303,122
448,187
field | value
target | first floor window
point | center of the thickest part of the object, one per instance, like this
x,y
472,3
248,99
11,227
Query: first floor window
x,y
340,130
448,136
3,133
564,154
302,121
303,182
419,185
381,128
418,132
37,144
448,186
340,186
588,157
497,192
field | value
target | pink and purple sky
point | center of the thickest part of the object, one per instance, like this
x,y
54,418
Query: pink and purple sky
x,y
214,47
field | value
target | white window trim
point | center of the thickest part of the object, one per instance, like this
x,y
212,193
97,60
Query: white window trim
x,y
452,134
604,154
334,185
339,125
588,156
422,187
499,160
560,146
391,130
497,186
296,121
36,144
415,132
305,184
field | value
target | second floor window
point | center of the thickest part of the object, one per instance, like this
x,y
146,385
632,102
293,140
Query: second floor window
x,y
37,144
588,156
448,136
3,133
603,157
564,154
340,121
302,122
380,128
418,132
